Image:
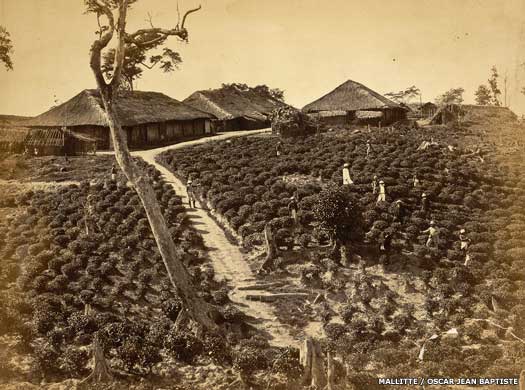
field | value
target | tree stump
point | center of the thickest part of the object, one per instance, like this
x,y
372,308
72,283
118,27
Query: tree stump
x,y
312,360
318,373
330,375
101,372
271,248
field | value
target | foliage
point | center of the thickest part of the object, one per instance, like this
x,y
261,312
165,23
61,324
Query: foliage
x,y
452,96
405,95
264,90
6,48
493,83
339,213
483,95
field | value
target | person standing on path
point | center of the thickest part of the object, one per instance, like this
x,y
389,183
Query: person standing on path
x,y
433,235
191,194
382,192
346,174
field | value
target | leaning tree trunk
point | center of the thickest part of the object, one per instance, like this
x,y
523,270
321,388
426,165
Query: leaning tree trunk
x,y
271,249
198,310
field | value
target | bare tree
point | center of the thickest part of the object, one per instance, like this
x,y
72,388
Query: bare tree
x,y
114,13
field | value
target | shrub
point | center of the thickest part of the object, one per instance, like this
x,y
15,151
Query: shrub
x,y
182,346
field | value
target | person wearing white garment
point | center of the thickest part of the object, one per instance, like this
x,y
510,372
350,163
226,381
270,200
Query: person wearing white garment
x,y
465,243
382,192
346,174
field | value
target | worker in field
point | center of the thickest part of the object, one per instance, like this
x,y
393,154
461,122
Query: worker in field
x,y
433,235
113,172
464,245
374,185
89,215
386,242
415,181
368,148
293,207
399,211
425,203
382,192
279,148
346,174
190,192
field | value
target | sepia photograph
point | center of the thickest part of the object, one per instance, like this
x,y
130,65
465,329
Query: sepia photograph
x,y
262,195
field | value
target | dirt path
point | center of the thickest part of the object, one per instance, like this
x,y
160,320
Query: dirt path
x,y
228,262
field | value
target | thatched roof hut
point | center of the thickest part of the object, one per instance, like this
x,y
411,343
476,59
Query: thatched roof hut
x,y
352,97
150,118
236,109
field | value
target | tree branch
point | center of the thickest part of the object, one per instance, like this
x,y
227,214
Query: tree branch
x,y
102,7
160,33
149,66
500,327
186,14
121,49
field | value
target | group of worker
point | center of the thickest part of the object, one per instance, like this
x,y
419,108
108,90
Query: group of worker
x,y
378,187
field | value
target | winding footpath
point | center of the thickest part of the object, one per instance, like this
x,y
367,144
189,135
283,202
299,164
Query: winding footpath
x,y
228,262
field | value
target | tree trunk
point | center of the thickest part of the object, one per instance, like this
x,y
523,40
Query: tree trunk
x,y
335,251
101,372
271,249
198,310
522,380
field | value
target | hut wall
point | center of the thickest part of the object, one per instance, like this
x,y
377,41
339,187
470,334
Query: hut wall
x,y
75,147
174,130
207,127
99,132
334,120
428,111
153,136
252,124
392,115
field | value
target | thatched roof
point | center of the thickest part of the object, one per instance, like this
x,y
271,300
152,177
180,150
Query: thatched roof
x,y
470,113
351,96
230,103
133,108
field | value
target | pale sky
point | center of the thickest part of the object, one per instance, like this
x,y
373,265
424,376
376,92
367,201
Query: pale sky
x,y
306,47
